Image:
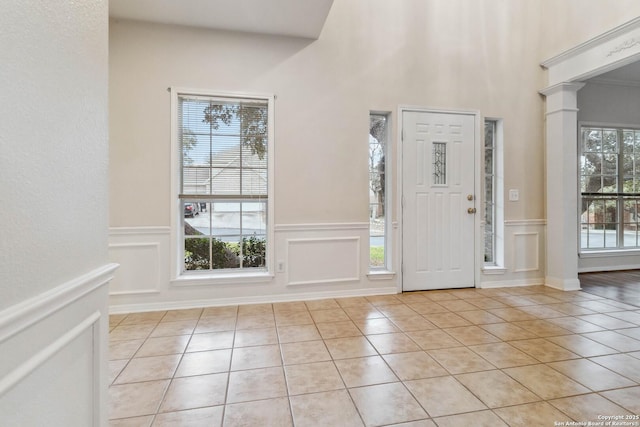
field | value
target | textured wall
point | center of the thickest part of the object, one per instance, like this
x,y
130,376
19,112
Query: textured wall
x,y
53,144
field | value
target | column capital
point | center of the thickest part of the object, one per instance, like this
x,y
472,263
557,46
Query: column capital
x,y
562,97
562,87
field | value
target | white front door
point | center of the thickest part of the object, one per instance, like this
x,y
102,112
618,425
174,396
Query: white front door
x,y
439,200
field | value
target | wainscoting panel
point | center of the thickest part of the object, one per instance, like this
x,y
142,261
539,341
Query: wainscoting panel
x,y
55,345
144,272
524,258
142,253
526,251
311,261
323,260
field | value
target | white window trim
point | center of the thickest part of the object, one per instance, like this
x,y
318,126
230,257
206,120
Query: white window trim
x,y
226,276
497,267
597,252
385,271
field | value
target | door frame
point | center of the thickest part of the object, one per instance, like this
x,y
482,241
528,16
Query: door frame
x,y
477,174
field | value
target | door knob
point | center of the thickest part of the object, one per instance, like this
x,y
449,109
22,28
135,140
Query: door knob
x,y
471,210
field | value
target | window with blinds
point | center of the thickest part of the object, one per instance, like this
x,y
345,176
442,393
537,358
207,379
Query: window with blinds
x,y
223,181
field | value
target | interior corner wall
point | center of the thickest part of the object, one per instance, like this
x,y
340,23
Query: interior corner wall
x,y
371,55
54,266
616,105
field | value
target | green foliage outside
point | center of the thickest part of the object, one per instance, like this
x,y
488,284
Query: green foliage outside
x,y
223,255
376,256
253,123
254,250
196,255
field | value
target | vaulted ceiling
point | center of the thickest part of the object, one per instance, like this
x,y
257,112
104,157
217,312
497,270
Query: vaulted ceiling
x,y
297,18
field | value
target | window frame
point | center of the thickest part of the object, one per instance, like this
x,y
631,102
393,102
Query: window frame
x,y
386,267
619,249
210,277
497,265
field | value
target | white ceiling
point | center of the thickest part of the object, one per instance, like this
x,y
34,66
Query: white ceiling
x,y
298,18
627,74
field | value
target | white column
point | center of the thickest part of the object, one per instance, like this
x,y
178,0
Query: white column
x,y
562,186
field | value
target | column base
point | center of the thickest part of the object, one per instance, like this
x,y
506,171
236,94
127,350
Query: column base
x,y
562,284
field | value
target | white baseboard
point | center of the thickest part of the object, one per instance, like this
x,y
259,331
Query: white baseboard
x,y
214,302
512,283
563,285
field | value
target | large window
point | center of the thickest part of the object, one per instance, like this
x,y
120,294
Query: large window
x,y
609,187
378,135
223,189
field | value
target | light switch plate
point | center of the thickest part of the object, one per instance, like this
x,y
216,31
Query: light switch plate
x,y
514,195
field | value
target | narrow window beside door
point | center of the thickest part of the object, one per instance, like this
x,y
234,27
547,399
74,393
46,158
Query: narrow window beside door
x,y
493,196
378,137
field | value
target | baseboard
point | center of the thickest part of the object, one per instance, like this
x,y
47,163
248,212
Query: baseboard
x,y
563,285
214,302
512,283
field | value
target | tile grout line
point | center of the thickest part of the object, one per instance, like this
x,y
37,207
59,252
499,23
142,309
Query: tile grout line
x,y
377,351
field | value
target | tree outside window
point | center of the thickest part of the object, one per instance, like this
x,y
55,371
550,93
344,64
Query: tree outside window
x,y
378,134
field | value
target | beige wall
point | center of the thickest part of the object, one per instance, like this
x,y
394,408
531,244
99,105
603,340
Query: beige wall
x,y
371,55
567,23
54,269
53,138
481,55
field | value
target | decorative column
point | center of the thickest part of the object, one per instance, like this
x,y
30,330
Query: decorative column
x,y
562,186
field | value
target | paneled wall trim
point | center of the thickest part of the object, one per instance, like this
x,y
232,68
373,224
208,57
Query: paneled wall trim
x,y
143,255
21,316
324,226
524,262
526,247
57,342
308,259
524,222
313,260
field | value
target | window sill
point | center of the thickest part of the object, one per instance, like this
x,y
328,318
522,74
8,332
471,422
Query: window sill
x,y
493,269
221,279
610,253
381,275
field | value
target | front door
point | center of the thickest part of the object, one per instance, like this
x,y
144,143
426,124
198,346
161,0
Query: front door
x,y
439,200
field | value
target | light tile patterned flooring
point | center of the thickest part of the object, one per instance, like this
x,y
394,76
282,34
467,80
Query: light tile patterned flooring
x,y
528,356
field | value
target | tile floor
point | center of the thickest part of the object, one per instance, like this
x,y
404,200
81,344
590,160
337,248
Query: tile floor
x,y
528,356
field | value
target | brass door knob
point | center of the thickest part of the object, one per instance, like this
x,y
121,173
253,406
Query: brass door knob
x,y
471,210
